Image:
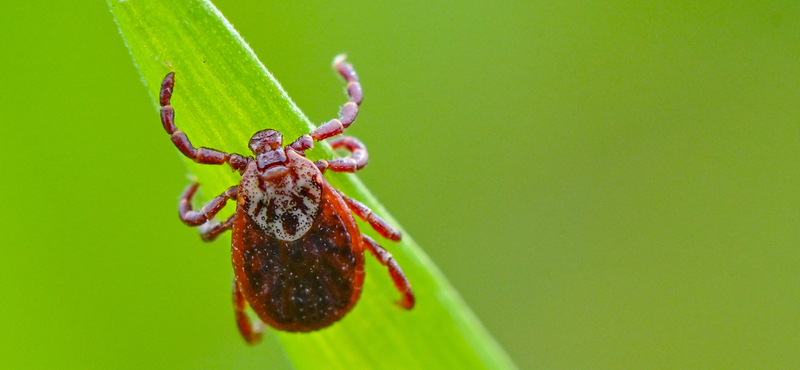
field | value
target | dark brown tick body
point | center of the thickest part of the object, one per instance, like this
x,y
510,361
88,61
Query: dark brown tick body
x,y
298,255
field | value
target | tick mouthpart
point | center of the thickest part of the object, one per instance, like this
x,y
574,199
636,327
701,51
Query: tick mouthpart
x,y
265,140
265,160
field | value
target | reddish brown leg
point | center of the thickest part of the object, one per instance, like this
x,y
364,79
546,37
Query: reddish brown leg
x,y
400,281
358,155
211,230
322,165
302,144
349,110
363,212
200,155
251,333
196,218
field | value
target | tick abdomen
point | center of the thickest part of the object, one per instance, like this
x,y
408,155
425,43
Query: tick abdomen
x,y
307,283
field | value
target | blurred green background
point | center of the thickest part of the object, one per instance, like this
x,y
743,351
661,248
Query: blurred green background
x,y
608,185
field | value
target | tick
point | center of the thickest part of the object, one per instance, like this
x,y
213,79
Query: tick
x,y
298,255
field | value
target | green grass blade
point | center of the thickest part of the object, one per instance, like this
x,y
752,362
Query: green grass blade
x,y
223,94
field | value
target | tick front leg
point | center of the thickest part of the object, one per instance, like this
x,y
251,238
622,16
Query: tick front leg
x,y
400,280
251,333
211,230
200,155
349,110
363,212
196,218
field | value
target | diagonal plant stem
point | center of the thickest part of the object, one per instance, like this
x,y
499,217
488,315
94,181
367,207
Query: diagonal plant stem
x,y
223,94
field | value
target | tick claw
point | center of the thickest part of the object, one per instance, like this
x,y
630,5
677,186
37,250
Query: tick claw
x,y
406,303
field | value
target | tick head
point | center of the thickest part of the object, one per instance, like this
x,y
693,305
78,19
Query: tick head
x,y
265,140
266,145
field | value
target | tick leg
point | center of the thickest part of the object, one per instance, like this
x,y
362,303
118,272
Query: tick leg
x,y
358,155
211,230
200,155
349,110
196,218
363,212
251,333
400,281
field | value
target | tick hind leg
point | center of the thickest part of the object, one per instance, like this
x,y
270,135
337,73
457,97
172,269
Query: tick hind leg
x,y
196,218
363,212
210,230
251,333
400,280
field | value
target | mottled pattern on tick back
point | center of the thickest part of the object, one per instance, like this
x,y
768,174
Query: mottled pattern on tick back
x,y
305,283
284,205
303,277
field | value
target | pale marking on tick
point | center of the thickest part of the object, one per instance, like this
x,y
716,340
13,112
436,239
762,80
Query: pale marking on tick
x,y
280,202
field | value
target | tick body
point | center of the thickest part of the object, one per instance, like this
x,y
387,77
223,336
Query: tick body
x,y
298,255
